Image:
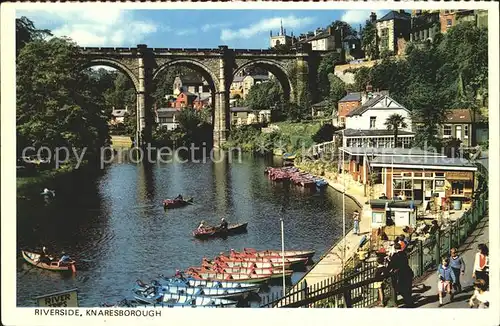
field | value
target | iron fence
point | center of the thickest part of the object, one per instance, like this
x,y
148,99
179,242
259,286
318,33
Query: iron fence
x,y
355,287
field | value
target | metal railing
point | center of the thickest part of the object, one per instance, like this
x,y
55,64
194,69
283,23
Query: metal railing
x,y
354,287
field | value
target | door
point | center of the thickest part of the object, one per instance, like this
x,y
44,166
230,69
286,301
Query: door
x,y
418,193
458,132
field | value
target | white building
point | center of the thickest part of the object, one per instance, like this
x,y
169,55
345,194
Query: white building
x,y
167,117
365,125
281,38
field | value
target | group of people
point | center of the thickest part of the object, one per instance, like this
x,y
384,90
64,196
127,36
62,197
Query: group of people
x,y
222,226
452,267
45,257
396,264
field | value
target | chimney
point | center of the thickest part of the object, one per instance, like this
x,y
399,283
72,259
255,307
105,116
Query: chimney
x,y
364,98
369,88
402,11
373,17
331,30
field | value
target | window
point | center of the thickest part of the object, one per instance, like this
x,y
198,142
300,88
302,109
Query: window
x,y
439,174
235,114
466,131
372,122
342,121
420,128
447,131
403,186
448,23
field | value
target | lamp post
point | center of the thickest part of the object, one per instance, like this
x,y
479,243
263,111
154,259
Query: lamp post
x,y
283,253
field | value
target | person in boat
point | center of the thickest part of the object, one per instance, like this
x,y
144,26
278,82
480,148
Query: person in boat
x,y
201,227
179,197
223,224
64,258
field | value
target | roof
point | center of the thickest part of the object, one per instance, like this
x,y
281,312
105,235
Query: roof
x,y
321,104
240,109
434,162
319,36
188,93
259,77
391,152
405,204
395,15
351,38
202,98
372,132
118,113
371,102
166,112
238,79
457,116
355,96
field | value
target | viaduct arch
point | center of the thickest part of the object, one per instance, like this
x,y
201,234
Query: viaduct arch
x,y
296,72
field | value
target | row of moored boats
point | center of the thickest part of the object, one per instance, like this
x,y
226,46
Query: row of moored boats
x,y
224,281
297,177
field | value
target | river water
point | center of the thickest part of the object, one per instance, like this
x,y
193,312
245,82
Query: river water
x,y
115,225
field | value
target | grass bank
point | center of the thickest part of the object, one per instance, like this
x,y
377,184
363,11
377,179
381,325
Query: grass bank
x,y
290,136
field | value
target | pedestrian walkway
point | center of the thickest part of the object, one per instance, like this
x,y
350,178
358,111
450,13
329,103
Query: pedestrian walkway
x,y
330,264
429,298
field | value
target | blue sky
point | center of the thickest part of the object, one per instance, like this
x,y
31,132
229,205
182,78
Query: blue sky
x,y
185,28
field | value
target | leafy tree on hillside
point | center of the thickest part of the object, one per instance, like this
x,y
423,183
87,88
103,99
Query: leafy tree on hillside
x,y
57,103
370,41
26,32
337,90
325,68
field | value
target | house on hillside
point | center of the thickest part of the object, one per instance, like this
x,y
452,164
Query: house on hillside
x,y
242,115
458,125
190,83
202,101
393,26
184,99
249,81
346,105
118,116
167,118
425,26
365,124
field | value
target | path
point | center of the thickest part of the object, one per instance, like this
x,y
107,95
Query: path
x,y
429,298
331,264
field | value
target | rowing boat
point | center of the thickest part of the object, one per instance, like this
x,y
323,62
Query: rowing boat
x,y
191,282
214,276
273,259
288,253
179,300
271,272
218,232
176,203
53,264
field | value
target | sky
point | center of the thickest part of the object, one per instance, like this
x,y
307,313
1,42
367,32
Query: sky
x,y
244,29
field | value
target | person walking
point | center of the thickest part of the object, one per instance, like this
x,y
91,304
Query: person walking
x,y
457,265
403,274
356,222
446,280
481,264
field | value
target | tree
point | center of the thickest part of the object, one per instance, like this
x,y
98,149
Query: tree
x,y
345,27
57,103
326,67
337,90
26,33
395,122
282,48
370,41
325,133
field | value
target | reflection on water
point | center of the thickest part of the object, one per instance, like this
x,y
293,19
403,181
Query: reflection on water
x,y
115,226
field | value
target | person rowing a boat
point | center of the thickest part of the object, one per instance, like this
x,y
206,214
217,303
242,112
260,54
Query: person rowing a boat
x,y
64,259
179,197
201,227
44,256
223,224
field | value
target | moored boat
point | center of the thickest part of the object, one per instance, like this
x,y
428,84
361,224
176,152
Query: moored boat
x,y
214,276
51,263
274,259
218,232
260,262
205,283
272,272
179,300
288,253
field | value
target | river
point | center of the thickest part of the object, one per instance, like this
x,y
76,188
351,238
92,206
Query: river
x,y
114,223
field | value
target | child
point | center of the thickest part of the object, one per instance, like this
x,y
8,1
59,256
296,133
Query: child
x,y
457,265
380,273
480,297
446,279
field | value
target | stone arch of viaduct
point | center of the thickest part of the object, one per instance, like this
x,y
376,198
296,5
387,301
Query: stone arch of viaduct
x,y
295,71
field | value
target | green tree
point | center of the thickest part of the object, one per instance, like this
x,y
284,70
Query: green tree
x,y
57,105
395,122
370,41
337,90
325,68
26,33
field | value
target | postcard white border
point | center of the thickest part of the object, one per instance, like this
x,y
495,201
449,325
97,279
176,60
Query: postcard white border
x,y
11,315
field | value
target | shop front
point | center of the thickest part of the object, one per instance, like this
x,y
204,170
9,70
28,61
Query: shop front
x,y
433,181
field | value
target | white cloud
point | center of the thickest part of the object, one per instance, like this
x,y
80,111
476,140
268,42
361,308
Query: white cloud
x,y
358,16
207,27
265,25
106,26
